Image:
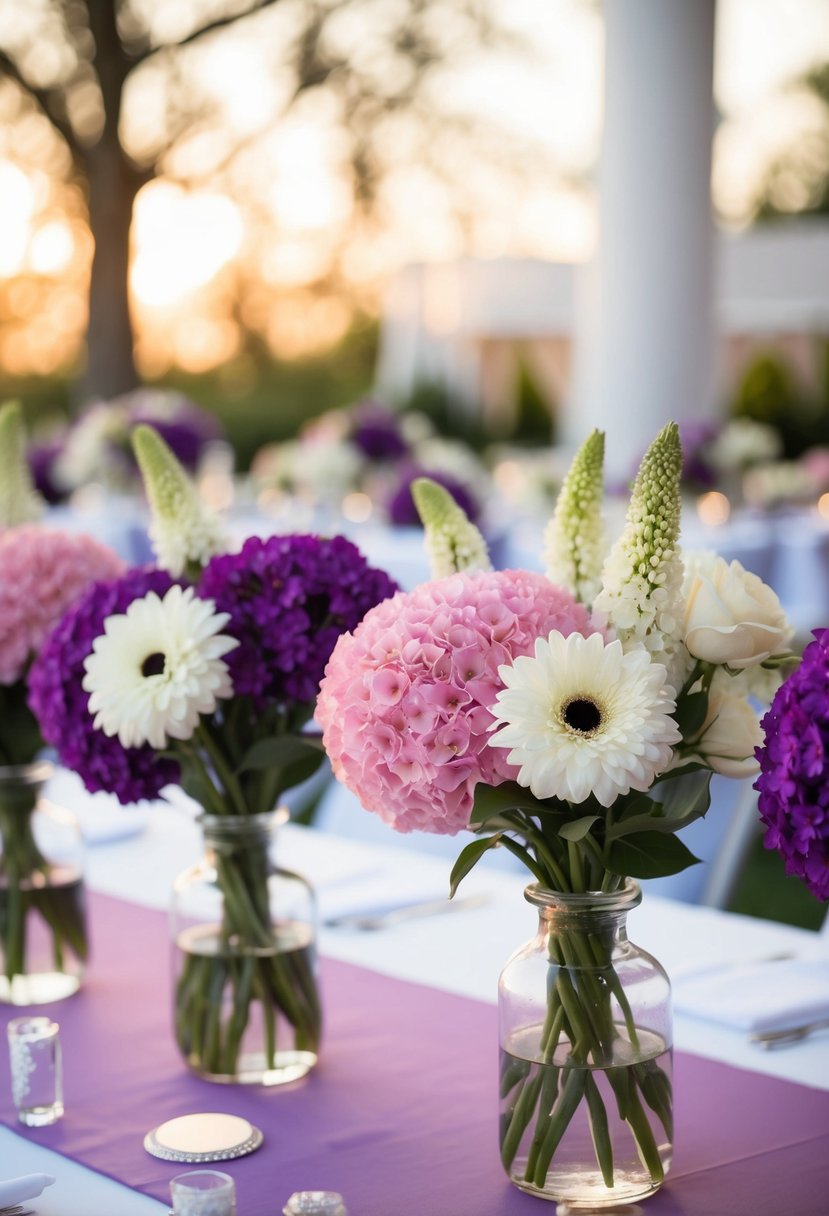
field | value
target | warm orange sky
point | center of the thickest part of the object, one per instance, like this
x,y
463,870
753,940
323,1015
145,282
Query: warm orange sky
x,y
191,245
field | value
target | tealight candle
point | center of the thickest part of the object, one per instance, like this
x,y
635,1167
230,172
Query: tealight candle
x,y
315,1203
203,1193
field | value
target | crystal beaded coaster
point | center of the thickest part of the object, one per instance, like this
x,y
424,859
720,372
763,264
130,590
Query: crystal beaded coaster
x,y
195,1139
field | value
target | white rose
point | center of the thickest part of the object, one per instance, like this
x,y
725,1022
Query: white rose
x,y
731,615
729,736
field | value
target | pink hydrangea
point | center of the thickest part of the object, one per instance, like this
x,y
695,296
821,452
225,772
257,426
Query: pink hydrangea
x,y
404,705
41,572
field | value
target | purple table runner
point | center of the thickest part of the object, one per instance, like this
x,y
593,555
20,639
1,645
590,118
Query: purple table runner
x,y
401,1113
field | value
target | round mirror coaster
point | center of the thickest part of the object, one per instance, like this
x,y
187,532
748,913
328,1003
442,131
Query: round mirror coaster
x,y
195,1139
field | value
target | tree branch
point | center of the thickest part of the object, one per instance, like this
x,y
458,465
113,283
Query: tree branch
x,y
195,35
48,102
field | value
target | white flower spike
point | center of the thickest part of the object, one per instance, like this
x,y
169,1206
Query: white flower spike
x,y
184,532
158,667
574,537
20,502
641,596
452,541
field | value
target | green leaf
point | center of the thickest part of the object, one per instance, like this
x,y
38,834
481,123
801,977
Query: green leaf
x,y
491,800
681,802
282,751
468,858
577,829
691,712
648,855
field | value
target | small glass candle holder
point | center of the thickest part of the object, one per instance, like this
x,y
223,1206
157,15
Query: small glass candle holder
x,y
203,1193
315,1203
36,1070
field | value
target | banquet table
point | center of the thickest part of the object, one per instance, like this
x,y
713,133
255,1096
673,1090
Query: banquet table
x,y
401,1113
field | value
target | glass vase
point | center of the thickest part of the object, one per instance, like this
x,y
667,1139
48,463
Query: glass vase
x,y
43,938
247,1008
586,1052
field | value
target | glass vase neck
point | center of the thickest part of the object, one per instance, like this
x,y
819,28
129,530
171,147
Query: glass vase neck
x,y
21,784
228,833
559,908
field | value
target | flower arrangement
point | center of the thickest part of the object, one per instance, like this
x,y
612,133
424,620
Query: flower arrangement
x,y
204,673
576,720
95,446
43,572
373,450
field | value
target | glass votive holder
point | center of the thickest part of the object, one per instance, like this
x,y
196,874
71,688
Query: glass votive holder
x,y
36,1070
315,1203
203,1193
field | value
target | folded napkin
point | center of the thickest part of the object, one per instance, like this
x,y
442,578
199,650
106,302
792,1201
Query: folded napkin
x,y
28,1186
759,996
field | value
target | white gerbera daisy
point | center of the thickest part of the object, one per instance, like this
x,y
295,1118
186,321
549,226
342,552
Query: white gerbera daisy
x,y
157,667
583,717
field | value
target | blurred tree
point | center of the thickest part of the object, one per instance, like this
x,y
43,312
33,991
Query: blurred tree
x,y
113,78
797,182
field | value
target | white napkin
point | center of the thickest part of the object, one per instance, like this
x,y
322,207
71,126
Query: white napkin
x,y
29,1186
759,996
101,816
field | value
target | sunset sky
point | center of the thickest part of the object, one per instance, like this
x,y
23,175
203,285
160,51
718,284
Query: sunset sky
x,y
211,255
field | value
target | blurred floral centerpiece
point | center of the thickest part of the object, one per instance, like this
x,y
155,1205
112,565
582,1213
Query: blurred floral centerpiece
x,y
203,673
362,461
43,571
95,447
575,719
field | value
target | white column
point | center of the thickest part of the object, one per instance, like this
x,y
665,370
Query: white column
x,y
644,333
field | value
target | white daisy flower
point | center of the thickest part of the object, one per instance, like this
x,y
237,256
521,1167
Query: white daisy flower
x,y
158,667
585,717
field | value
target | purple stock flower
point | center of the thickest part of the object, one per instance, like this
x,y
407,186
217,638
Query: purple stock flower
x,y
794,764
182,424
61,705
377,432
42,457
402,511
289,599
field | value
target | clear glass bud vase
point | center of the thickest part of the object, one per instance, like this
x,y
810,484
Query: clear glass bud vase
x,y
586,1050
247,1008
43,938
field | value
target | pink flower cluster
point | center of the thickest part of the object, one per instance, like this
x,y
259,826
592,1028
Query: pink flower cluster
x,y
404,705
41,572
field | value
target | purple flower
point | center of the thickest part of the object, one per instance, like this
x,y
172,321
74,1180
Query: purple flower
x,y
794,764
184,426
42,457
402,511
377,432
289,599
61,705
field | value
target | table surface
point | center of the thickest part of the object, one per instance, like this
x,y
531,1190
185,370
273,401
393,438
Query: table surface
x,y
459,953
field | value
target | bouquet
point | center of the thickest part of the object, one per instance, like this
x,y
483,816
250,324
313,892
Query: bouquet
x,y
43,571
574,718
203,672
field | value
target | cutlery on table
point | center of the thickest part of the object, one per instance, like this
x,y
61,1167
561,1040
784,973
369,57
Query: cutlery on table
x,y
781,1038
384,918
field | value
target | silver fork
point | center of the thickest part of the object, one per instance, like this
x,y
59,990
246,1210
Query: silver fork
x,y
781,1038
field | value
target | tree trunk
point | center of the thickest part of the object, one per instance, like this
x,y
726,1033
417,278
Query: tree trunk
x,y
113,185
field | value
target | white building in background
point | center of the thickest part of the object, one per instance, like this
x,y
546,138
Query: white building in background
x,y
465,325
642,332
